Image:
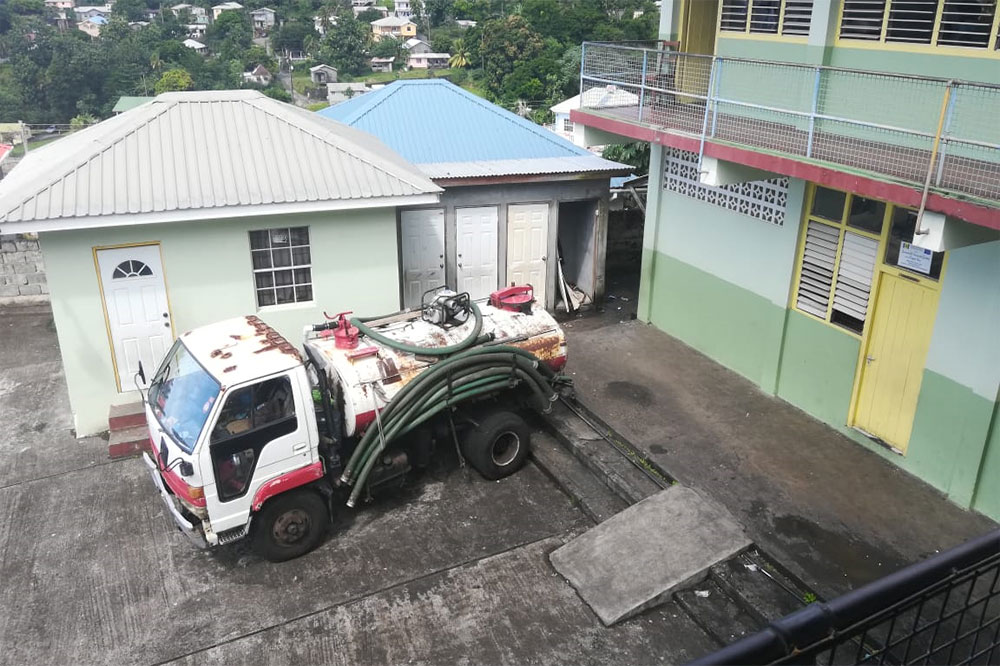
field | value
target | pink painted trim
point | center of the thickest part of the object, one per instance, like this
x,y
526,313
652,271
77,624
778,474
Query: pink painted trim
x,y
286,482
789,166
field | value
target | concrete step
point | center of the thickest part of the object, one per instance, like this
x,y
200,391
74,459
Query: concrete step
x,y
593,497
128,442
610,465
643,555
121,417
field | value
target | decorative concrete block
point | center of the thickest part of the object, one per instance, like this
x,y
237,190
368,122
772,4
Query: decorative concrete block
x,y
24,269
35,278
9,290
45,288
30,289
7,247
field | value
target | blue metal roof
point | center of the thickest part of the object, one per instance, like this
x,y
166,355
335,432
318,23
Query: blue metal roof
x,y
429,121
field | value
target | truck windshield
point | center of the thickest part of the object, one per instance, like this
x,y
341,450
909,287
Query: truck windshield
x,y
181,396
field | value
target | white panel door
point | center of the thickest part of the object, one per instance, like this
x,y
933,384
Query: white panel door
x,y
527,240
477,250
135,296
422,242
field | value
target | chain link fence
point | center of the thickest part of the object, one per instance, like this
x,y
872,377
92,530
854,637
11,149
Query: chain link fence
x,y
923,131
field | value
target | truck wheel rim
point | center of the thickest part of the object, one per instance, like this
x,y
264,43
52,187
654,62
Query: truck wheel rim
x,y
505,448
291,527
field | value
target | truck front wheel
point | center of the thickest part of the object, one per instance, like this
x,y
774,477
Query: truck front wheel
x,y
290,525
498,446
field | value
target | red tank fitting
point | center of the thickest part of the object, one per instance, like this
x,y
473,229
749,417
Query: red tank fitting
x,y
345,336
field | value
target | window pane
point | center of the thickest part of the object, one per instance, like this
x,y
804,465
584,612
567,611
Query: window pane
x,y
282,257
300,256
829,204
285,295
264,280
734,15
258,240
265,297
911,21
866,214
272,402
798,15
282,278
900,252
862,19
966,23
303,294
234,417
261,259
764,16
303,276
279,237
299,235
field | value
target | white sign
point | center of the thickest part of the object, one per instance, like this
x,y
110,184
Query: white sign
x,y
915,258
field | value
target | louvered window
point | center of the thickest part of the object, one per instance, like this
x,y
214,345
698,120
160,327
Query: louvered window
x,y
766,17
839,253
963,23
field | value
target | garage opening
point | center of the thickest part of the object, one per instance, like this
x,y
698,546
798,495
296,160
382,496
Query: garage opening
x,y
578,254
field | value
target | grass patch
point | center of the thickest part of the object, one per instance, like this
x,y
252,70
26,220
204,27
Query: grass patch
x,y
33,145
301,80
318,106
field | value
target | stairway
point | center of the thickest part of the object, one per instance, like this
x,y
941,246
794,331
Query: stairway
x,y
129,435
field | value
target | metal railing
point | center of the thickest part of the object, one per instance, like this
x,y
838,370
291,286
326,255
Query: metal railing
x,y
944,610
933,133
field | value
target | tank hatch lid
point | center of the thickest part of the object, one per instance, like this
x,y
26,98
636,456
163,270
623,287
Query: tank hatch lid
x,y
241,349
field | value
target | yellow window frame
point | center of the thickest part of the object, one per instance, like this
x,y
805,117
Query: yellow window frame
x,y
745,33
990,51
882,237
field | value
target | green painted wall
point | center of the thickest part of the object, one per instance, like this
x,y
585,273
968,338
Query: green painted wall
x,y
817,368
208,275
987,497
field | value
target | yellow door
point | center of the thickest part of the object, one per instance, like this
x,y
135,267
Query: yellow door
x,y
893,365
697,36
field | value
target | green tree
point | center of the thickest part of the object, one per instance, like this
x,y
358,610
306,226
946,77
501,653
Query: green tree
x,y
130,10
635,154
441,43
369,15
506,43
292,35
229,35
345,45
389,47
438,11
459,54
173,79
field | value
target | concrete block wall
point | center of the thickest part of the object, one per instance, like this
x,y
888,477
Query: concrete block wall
x,y
22,272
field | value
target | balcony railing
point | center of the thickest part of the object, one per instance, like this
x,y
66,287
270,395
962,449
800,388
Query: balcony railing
x,y
936,134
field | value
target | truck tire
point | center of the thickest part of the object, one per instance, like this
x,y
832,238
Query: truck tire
x,y
290,525
499,445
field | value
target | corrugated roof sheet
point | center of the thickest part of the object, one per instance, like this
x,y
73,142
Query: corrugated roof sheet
x,y
430,122
205,150
530,167
125,103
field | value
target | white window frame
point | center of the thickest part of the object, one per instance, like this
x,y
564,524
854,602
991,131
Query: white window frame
x,y
291,268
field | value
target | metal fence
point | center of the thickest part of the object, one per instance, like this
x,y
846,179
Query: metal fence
x,y
933,133
944,610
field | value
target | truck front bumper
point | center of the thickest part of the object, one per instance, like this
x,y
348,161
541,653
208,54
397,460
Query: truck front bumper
x,y
191,531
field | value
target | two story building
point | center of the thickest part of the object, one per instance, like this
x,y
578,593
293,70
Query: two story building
x,y
824,211
393,26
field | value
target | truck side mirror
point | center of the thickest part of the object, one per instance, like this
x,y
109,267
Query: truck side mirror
x,y
186,468
141,373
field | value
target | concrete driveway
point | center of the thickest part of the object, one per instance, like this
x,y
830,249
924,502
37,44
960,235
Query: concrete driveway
x,y
453,569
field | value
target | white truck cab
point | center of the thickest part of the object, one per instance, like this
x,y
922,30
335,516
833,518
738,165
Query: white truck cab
x,y
251,437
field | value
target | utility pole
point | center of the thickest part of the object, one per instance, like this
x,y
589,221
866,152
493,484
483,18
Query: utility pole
x,y
24,138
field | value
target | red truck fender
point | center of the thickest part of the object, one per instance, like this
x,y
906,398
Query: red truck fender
x,y
286,482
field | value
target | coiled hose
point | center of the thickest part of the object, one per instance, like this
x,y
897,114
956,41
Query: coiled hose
x,y
470,340
476,372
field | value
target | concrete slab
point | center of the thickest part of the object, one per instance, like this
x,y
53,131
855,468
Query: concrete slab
x,y
641,556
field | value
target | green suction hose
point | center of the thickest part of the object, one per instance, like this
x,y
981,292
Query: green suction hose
x,y
472,338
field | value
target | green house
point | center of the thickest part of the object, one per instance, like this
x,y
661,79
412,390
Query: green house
x,y
199,206
824,211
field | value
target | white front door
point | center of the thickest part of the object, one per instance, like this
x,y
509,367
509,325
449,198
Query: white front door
x,y
527,240
422,243
135,299
477,251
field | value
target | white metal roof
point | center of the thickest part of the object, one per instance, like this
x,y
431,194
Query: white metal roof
x,y
241,349
391,21
577,164
193,44
597,98
204,155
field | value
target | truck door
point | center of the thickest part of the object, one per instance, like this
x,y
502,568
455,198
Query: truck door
x,y
256,437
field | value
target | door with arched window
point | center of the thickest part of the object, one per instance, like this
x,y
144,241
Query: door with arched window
x,y
135,304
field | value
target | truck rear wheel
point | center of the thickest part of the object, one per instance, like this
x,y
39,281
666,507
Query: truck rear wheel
x,y
290,525
499,445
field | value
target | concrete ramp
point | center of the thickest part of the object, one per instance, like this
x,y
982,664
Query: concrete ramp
x,y
641,556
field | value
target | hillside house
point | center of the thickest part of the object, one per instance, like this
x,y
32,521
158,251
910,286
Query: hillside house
x,y
322,74
195,46
90,11
259,75
341,92
383,64
402,9
263,20
195,13
225,7
92,26
145,234
393,26
428,60
415,46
